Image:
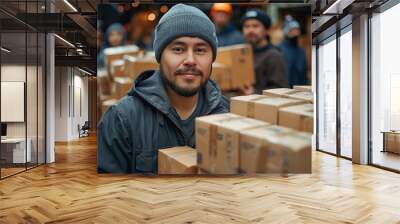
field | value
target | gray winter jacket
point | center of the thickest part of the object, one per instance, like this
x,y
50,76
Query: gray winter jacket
x,y
131,132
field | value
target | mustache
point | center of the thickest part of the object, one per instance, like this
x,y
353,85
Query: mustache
x,y
188,70
251,34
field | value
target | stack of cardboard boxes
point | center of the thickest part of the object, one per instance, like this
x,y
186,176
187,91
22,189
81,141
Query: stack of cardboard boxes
x,y
117,53
262,134
239,65
122,66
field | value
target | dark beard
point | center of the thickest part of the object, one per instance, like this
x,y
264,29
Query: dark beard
x,y
177,89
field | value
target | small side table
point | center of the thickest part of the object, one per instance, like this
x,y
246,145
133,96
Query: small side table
x,y
391,141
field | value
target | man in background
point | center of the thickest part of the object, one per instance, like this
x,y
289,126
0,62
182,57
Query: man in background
x,y
294,55
269,63
227,34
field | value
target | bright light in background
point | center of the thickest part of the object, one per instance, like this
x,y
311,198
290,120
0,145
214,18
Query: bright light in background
x,y
163,9
5,50
151,16
70,5
64,40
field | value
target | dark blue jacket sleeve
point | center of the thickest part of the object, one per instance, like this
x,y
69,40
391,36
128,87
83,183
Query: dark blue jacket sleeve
x,y
223,106
114,145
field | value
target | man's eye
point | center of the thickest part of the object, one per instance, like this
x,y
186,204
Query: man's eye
x,y
201,50
177,49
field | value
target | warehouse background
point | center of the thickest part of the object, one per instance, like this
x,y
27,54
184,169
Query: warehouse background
x,y
139,19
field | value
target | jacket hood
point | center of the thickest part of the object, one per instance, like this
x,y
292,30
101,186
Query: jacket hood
x,y
150,87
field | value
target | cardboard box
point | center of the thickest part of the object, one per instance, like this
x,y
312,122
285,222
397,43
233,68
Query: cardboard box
x,y
177,160
122,85
392,142
268,109
116,53
104,83
307,96
106,104
274,149
228,141
299,117
201,171
279,92
255,155
206,141
221,74
244,105
303,88
134,66
117,68
239,58
217,141
261,107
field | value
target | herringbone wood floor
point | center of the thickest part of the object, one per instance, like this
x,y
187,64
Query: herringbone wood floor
x,y
70,191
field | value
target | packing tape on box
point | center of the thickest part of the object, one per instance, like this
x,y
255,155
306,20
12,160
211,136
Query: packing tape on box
x,y
214,137
213,147
251,106
251,109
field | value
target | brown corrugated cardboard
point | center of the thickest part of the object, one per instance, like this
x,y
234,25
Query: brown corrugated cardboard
x,y
261,107
392,142
239,58
117,68
206,142
274,149
279,92
117,53
177,160
104,83
297,152
121,87
255,153
228,140
300,117
268,109
134,66
303,88
244,105
221,74
307,96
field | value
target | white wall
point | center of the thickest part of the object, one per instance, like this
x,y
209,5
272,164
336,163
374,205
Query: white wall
x,y
69,82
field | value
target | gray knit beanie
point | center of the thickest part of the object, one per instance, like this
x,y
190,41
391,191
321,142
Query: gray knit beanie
x,y
183,20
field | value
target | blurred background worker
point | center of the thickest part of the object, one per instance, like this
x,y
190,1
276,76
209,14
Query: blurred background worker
x,y
227,33
114,36
269,63
295,56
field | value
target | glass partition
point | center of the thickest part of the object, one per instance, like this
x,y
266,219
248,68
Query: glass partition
x,y
346,93
327,96
385,89
22,77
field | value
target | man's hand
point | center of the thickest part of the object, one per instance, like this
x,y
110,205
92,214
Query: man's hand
x,y
247,89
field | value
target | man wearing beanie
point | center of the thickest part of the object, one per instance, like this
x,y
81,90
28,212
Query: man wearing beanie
x,y
269,63
295,55
160,110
